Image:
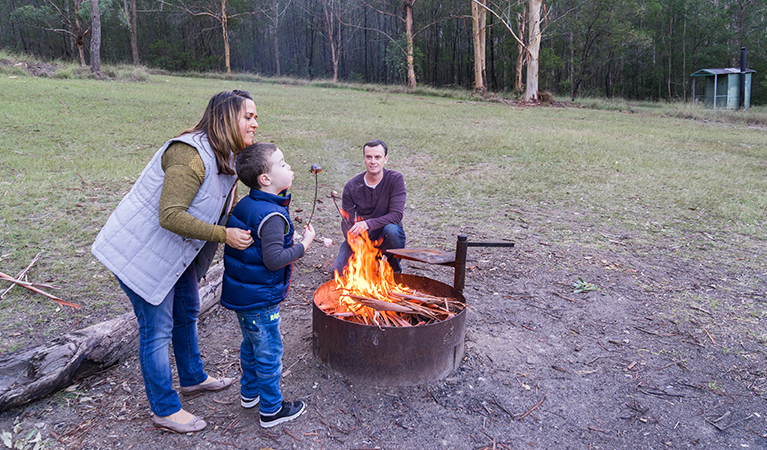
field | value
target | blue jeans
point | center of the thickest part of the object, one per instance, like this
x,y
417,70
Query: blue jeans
x,y
261,356
393,237
175,319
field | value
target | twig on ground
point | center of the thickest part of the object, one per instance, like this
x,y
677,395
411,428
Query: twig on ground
x,y
226,443
502,408
34,289
22,274
287,431
433,397
697,308
653,333
709,335
566,298
533,408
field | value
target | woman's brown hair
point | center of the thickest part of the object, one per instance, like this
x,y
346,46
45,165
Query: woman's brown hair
x,y
220,122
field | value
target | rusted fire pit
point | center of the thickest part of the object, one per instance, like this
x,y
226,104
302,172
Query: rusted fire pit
x,y
397,355
389,356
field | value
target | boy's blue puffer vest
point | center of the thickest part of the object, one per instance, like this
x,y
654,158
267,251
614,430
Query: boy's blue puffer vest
x,y
247,283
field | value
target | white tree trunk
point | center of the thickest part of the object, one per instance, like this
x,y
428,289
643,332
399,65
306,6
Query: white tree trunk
x,y
533,46
225,31
408,10
479,23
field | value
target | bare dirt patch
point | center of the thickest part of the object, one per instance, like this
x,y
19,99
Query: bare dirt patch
x,y
658,356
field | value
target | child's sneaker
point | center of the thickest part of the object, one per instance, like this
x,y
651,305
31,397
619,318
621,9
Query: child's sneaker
x,y
249,402
289,411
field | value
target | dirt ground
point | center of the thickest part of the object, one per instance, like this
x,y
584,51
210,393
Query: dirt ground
x,y
652,359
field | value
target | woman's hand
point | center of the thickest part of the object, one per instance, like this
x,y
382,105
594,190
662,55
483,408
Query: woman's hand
x,y
238,238
308,236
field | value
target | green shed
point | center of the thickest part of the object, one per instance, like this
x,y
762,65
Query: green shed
x,y
722,88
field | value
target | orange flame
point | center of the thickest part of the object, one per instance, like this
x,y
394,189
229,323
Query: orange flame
x,y
368,274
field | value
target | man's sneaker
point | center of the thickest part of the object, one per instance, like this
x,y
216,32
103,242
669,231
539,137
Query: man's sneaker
x,y
249,402
289,411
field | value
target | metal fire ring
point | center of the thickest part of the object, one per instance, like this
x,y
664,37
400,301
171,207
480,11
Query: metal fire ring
x,y
390,356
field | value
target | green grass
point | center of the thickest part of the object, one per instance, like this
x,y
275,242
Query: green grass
x,y
70,148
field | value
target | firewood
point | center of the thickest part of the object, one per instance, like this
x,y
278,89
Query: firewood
x,y
380,305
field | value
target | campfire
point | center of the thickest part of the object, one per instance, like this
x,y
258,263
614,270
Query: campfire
x,y
391,329
368,294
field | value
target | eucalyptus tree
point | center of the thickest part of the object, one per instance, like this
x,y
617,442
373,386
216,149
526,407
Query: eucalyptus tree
x,y
275,12
129,18
219,12
95,37
65,17
479,38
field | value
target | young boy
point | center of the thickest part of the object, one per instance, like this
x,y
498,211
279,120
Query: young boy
x,y
257,279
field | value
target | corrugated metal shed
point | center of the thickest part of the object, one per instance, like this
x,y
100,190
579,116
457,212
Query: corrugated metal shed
x,y
722,88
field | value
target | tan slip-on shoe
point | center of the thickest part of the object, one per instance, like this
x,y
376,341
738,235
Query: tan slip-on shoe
x,y
221,383
196,424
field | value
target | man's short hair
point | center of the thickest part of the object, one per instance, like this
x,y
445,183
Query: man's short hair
x,y
376,143
253,161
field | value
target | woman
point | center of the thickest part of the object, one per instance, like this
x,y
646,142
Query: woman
x,y
159,243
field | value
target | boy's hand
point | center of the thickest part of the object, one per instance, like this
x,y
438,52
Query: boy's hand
x,y
308,236
238,238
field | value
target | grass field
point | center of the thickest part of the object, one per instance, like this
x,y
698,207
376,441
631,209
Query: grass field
x,y
70,149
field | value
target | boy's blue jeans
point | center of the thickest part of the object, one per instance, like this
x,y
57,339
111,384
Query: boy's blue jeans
x,y
393,237
261,356
175,319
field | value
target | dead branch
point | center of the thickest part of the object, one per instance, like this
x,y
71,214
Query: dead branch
x,y
533,408
566,298
34,289
30,374
22,274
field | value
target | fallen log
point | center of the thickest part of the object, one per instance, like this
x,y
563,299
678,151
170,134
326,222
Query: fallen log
x,y
30,374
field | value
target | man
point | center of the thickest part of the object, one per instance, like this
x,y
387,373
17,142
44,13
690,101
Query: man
x,y
374,202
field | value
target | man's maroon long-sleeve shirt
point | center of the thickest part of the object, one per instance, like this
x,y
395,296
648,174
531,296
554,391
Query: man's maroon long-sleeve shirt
x,y
377,206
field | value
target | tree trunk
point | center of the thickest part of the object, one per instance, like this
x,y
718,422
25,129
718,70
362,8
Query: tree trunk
x,y
133,33
225,32
276,19
408,10
31,374
130,15
521,51
533,46
571,70
479,22
95,38
670,72
330,27
80,34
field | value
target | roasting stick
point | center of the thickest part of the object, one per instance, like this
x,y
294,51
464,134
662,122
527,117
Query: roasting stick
x,y
315,170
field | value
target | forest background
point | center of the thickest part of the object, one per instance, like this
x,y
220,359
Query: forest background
x,y
634,49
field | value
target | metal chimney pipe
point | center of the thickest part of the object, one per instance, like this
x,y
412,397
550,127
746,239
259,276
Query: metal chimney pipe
x,y
743,77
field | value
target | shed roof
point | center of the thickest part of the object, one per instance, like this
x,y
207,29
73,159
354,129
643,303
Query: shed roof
x,y
727,71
